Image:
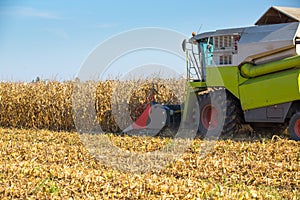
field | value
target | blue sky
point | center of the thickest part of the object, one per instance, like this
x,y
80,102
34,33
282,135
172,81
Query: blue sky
x,y
51,39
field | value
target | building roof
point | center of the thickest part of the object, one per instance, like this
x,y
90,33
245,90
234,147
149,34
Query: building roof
x,y
278,15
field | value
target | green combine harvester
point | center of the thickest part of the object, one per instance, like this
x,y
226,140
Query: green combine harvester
x,y
247,75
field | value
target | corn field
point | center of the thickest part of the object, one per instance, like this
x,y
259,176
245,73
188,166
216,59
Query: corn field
x,y
65,106
42,156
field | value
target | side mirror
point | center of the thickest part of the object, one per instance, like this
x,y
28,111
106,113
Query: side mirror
x,y
183,45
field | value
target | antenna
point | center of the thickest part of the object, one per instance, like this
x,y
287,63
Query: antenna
x,y
199,28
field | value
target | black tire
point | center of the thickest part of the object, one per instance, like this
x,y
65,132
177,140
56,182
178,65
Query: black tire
x,y
273,128
294,127
220,114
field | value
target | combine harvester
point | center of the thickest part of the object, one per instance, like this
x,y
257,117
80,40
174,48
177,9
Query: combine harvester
x,y
258,70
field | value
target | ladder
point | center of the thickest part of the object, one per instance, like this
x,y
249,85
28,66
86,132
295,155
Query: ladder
x,y
195,71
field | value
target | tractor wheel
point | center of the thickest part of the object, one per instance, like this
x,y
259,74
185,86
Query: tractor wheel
x,y
294,127
218,115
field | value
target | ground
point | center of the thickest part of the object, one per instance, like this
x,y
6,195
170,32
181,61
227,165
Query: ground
x,y
42,164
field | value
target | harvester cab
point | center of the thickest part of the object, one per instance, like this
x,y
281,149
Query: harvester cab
x,y
199,55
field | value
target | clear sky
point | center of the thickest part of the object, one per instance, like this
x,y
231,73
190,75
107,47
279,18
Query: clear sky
x,y
51,39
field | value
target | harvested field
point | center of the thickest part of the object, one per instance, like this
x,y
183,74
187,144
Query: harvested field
x,y
44,164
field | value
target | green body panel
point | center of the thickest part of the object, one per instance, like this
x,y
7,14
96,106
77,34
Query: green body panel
x,y
256,92
270,89
187,95
190,96
198,84
227,77
216,76
256,86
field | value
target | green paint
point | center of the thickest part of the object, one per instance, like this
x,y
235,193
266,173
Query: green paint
x,y
227,77
189,93
299,82
270,89
186,104
264,88
250,71
198,84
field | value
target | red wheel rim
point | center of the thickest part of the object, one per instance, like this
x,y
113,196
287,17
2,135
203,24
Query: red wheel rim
x,y
297,128
209,117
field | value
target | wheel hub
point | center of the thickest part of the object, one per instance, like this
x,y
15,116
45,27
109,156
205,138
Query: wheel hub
x,y
209,117
297,128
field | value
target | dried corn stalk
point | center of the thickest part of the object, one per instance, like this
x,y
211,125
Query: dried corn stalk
x,y
72,104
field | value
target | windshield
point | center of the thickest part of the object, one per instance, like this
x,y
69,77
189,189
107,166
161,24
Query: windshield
x,y
206,49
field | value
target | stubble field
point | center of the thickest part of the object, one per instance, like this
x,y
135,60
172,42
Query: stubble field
x,y
42,156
